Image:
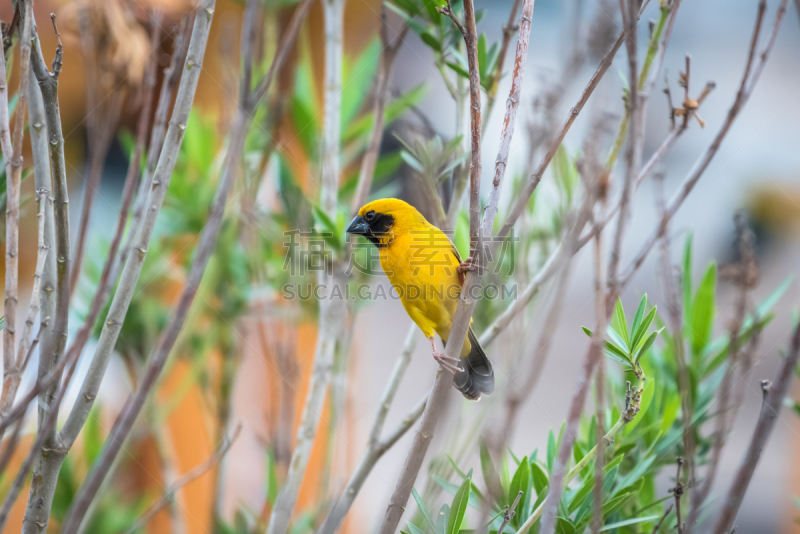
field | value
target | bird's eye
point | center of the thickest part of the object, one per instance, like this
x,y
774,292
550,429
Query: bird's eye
x,y
369,216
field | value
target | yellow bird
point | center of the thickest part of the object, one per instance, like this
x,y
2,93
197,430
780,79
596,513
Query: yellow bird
x,y
426,271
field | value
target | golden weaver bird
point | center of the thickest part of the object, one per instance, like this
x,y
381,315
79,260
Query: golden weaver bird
x,y
425,269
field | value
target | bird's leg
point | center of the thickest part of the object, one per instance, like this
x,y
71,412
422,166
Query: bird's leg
x,y
448,363
467,265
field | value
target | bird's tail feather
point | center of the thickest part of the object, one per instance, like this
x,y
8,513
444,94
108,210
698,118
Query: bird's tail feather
x,y
477,376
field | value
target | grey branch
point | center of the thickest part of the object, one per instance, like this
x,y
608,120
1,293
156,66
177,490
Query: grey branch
x,y
466,304
196,472
329,310
13,164
766,422
746,88
377,447
41,498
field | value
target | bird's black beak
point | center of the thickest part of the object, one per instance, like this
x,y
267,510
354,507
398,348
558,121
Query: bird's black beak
x,y
359,226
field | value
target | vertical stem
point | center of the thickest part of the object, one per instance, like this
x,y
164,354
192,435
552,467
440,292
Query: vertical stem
x,y
13,164
466,304
49,460
328,312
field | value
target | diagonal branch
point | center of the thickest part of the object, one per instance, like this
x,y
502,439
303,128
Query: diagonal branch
x,y
370,158
191,476
773,400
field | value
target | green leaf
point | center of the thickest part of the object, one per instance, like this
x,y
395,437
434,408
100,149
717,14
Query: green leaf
x,y
429,39
482,55
618,340
490,476
415,529
551,451
2,322
637,318
520,482
433,15
639,334
359,75
587,331
457,469
459,507
646,345
441,519
458,69
627,522
422,508
773,298
670,412
687,280
617,354
540,478
620,324
564,526
93,434
272,480
703,310
408,6
394,110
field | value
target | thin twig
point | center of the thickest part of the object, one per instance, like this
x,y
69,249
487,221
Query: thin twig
x,y
509,29
677,492
675,319
172,75
376,447
742,96
12,154
536,177
388,54
41,498
194,474
102,116
663,517
329,310
773,398
13,375
466,304
726,408
635,112
509,513
600,308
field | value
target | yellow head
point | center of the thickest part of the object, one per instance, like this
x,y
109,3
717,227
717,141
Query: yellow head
x,y
382,220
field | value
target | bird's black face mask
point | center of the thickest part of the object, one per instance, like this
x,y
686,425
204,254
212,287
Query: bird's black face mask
x,y
373,226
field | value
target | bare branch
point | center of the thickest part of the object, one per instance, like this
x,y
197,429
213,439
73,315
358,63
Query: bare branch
x,y
466,304
370,158
52,348
773,400
509,513
40,500
172,76
743,95
509,29
13,374
635,114
12,154
195,473
376,447
536,177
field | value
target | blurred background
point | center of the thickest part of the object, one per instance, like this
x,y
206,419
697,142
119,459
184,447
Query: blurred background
x,y
757,170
